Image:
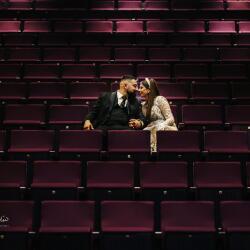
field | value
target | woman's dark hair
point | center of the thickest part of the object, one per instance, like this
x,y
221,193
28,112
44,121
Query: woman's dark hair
x,y
150,83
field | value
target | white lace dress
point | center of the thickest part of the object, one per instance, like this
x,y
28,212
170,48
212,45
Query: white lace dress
x,y
161,118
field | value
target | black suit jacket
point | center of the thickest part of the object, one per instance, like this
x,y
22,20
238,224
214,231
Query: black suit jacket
x,y
101,110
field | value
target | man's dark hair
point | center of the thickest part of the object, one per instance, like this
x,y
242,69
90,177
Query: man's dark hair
x,y
127,77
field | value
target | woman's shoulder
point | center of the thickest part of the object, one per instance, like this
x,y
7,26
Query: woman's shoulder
x,y
159,99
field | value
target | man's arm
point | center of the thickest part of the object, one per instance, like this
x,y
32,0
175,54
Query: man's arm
x,y
93,113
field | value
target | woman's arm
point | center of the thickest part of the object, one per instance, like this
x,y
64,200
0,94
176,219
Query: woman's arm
x,y
165,110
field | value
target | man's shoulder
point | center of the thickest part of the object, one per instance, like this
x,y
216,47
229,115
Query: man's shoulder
x,y
106,94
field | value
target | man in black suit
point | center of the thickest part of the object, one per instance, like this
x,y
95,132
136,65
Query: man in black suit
x,y
117,110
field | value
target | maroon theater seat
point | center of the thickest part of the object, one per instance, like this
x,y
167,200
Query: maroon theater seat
x,y
164,54
190,26
16,224
183,39
216,39
226,142
56,180
94,54
235,223
163,180
211,5
66,223
179,5
174,91
177,142
68,26
240,91
67,115
213,184
235,54
23,55
115,71
188,223
20,5
16,114
59,55
102,5
229,71
78,71
86,90
128,149
46,91
151,5
31,141
130,54
99,27
13,180
18,39
205,91
12,91
238,5
222,27
156,71
129,26
36,26
10,71
244,27
122,218
200,55
9,26
191,71
74,143
237,115
53,39
110,179
202,115
41,71
160,26
129,5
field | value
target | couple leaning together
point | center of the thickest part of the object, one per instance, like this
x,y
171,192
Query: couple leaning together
x,y
120,110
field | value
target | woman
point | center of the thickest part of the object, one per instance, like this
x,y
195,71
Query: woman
x,y
156,110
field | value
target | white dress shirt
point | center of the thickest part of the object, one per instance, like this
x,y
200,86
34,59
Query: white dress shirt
x,y
120,99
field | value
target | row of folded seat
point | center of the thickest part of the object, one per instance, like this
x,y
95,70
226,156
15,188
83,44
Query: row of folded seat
x,y
106,54
128,40
40,115
126,26
94,145
193,71
111,5
100,180
132,223
85,92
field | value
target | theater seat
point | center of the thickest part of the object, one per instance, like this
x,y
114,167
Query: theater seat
x,y
70,226
122,218
128,149
163,180
16,224
55,180
109,180
189,223
213,184
13,180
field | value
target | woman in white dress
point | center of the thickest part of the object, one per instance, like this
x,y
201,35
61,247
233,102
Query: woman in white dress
x,y
156,109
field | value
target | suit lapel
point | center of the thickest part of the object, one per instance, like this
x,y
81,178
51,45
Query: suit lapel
x,y
113,98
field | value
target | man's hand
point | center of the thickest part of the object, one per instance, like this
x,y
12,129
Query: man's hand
x,y
88,125
135,123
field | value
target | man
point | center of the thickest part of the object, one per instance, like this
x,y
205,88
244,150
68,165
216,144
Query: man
x,y
117,110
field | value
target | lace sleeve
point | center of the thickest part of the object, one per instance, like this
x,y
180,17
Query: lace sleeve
x,y
165,110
